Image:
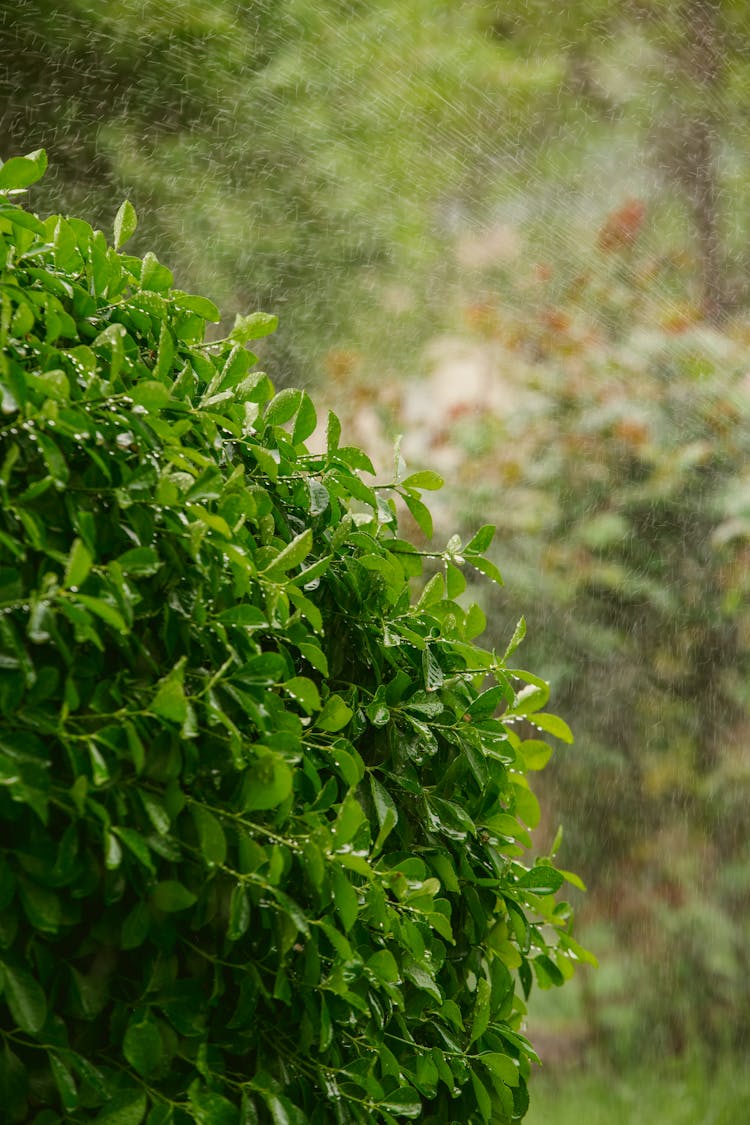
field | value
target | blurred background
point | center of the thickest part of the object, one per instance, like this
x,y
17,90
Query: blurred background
x,y
517,233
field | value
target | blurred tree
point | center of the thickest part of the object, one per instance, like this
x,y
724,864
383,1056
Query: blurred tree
x,y
621,489
285,135
678,70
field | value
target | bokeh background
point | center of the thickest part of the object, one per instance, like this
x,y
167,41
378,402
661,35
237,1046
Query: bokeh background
x,y
517,234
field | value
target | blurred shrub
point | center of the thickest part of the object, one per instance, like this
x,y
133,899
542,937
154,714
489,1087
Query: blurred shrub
x,y
278,149
618,477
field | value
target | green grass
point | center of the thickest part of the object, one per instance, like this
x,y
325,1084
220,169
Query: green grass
x,y
659,1092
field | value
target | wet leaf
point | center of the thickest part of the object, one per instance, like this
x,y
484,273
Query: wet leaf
x,y
126,222
24,997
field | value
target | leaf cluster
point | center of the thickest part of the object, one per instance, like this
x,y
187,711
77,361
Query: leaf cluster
x,y
263,815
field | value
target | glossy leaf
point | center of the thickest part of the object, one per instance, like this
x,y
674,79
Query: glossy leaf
x,y
126,222
25,998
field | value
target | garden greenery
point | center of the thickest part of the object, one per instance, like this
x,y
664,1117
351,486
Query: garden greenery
x,y
261,827
620,484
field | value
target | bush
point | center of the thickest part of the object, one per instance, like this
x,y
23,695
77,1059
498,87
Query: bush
x,y
261,829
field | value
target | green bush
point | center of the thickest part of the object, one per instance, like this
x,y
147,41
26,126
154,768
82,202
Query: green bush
x,y
261,828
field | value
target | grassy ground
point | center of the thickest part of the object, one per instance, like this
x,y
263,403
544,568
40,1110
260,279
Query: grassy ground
x,y
656,1093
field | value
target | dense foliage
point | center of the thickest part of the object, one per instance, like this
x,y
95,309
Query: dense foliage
x,y
261,827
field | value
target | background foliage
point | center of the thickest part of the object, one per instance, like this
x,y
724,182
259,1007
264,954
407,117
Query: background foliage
x,y
332,183
262,831
619,481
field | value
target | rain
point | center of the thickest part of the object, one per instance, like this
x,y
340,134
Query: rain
x,y
512,237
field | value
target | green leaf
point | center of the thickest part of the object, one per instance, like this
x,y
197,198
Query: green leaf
x,y
154,276
518,635
333,433
239,913
78,565
151,395
14,1086
142,1045
213,843
139,560
253,327
525,804
171,896
535,753
126,1107
305,421
454,580
403,1102
136,926
52,384
386,811
349,765
267,782
485,567
135,843
433,673
304,691
383,965
553,725
319,497
432,593
481,1014
53,458
481,540
197,304
104,610
484,1102
421,514
25,998
22,171
292,555
170,701
530,698
345,898
424,479
161,1114
210,1108
64,1081
41,906
542,879
422,978
355,458
126,222
335,714
249,616
350,817
573,879
501,1066
486,704
112,851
